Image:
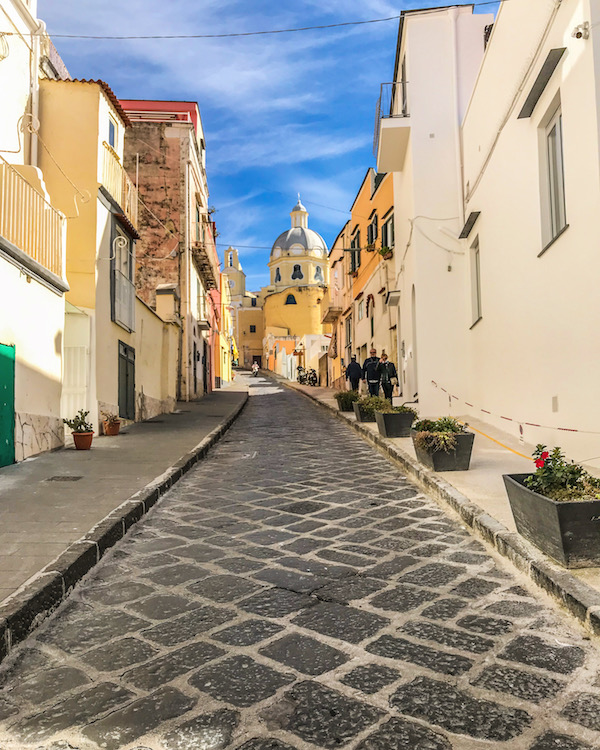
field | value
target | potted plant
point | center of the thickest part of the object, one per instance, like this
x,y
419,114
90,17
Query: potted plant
x,y
82,430
395,421
369,247
443,444
345,399
557,508
386,253
111,423
365,407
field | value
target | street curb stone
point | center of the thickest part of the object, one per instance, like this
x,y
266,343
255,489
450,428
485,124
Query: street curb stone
x,y
581,600
23,611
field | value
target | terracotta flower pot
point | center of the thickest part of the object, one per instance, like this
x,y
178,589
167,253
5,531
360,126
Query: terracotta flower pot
x,y
83,440
111,428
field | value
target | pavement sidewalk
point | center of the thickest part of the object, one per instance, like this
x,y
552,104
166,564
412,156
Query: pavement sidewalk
x,y
479,498
60,511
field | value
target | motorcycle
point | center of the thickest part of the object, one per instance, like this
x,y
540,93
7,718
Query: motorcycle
x,y
312,377
255,369
302,375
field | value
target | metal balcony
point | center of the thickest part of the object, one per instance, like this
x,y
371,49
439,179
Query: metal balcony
x,y
118,183
392,127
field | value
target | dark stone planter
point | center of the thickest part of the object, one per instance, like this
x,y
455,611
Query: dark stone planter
x,y
456,460
361,415
345,408
394,424
568,532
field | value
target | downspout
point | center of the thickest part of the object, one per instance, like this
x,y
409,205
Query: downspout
x,y
457,124
188,273
36,41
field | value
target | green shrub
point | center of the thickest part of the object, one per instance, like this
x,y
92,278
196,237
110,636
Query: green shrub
x,y
371,404
79,422
433,435
346,398
559,479
389,409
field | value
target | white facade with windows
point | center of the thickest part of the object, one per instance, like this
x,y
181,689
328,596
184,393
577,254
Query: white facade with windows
x,y
532,186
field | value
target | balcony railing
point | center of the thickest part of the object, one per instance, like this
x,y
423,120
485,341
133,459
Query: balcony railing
x,y
29,222
124,301
118,183
392,102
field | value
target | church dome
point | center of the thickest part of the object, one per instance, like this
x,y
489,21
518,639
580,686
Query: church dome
x,y
300,237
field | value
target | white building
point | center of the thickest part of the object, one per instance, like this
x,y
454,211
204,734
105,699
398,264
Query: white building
x,y
438,55
532,191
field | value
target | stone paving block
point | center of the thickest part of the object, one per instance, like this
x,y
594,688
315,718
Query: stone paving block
x,y
345,558
91,629
276,603
444,609
7,708
263,553
239,564
305,527
402,598
199,553
397,734
485,625
443,705
261,743
163,606
392,567
160,671
553,741
429,631
349,589
433,549
147,562
304,546
360,549
152,546
174,575
304,654
321,716
514,609
317,568
138,718
424,656
204,732
291,580
223,588
366,535
527,686
303,507
535,652
247,633
119,593
393,543
23,665
433,575
282,519
76,711
339,621
468,558
240,681
119,654
268,537
370,678
584,710
189,626
474,588
329,532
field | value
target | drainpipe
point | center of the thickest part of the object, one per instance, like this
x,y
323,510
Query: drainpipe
x,y
457,123
188,274
36,42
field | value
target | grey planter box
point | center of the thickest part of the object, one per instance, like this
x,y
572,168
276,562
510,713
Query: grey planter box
x,y
456,460
345,408
568,532
394,424
362,416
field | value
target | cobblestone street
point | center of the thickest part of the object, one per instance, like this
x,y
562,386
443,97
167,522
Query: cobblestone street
x,y
294,591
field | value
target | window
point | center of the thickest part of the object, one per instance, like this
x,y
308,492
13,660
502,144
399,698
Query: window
x,y
112,132
361,310
355,252
348,336
252,329
475,281
201,296
319,274
387,233
297,274
253,301
126,376
199,224
557,219
290,300
372,230
122,288
231,283
277,275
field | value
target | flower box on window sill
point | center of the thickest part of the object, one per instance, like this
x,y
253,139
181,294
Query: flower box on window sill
x,y
353,274
370,247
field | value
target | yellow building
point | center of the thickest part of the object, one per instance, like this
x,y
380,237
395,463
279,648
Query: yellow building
x,y
299,271
119,355
227,345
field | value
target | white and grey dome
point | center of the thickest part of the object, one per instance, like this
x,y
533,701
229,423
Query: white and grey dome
x,y
300,237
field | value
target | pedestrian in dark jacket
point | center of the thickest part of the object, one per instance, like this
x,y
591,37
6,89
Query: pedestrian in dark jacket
x,y
388,376
353,373
371,374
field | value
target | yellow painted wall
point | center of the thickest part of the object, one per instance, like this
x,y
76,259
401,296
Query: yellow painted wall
x,y
300,319
250,344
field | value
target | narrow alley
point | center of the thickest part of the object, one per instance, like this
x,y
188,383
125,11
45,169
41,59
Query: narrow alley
x,y
286,597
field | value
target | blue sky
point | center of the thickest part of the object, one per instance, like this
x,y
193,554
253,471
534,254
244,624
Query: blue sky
x,y
282,114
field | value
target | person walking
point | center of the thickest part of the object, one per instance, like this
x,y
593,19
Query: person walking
x,y
387,375
370,373
353,373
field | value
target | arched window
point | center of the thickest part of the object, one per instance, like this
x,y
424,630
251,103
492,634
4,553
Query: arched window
x,y
277,275
291,300
297,272
319,274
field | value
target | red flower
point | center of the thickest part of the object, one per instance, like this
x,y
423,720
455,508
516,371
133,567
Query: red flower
x,y
545,455
540,463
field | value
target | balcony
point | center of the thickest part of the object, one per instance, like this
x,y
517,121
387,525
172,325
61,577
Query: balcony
x,y
206,263
392,127
29,222
118,183
124,301
331,306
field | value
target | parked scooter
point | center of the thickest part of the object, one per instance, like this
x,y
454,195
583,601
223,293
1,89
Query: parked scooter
x,y
312,377
255,369
302,375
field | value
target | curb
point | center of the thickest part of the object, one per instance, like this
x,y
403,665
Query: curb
x,y
30,605
581,600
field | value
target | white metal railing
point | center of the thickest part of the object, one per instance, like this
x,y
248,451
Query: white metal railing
x,y
29,221
392,102
118,183
124,301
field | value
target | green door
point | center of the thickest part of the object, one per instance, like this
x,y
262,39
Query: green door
x,y
7,405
